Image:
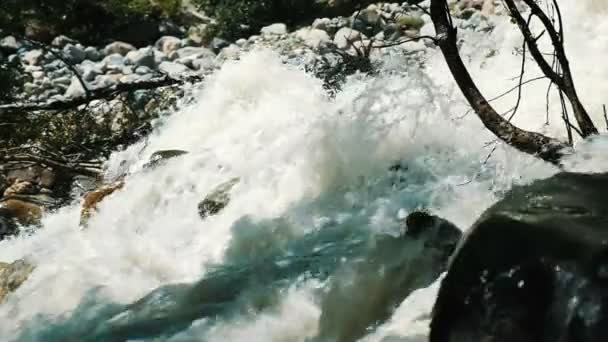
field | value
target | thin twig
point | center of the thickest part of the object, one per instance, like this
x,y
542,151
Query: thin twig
x,y
97,94
415,39
521,75
605,116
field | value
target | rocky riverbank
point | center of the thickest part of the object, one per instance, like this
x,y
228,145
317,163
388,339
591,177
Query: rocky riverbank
x,y
53,68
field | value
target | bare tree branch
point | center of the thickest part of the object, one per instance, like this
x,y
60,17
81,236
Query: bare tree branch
x,y
69,168
96,94
564,81
546,148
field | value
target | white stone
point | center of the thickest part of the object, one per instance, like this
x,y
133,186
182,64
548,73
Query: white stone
x,y
194,52
61,41
173,69
346,36
75,53
141,57
10,43
274,29
75,89
168,44
313,37
321,24
120,48
33,57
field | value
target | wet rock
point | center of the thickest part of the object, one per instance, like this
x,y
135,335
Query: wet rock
x,y
42,198
113,63
9,44
142,57
217,44
321,24
93,54
168,44
41,176
14,212
134,78
83,184
391,31
160,157
203,64
313,38
532,268
61,41
74,53
160,57
192,52
103,81
20,187
173,69
75,89
92,199
217,200
62,82
409,22
37,75
90,70
368,21
229,53
53,66
120,48
143,70
12,276
345,37
33,57
274,29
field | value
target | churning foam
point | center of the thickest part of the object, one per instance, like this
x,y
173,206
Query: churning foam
x,y
311,160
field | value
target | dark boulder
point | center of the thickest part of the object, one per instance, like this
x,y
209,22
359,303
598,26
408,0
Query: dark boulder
x,y
217,200
160,157
534,267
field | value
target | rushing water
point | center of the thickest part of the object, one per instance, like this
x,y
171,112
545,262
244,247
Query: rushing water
x,y
313,177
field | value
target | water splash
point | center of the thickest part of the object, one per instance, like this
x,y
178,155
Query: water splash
x,y
308,160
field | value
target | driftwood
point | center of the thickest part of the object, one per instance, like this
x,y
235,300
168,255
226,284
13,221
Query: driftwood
x,y
22,157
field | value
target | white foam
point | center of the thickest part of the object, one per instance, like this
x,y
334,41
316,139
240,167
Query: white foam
x,y
293,148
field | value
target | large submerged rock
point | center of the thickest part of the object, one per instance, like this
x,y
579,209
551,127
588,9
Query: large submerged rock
x,y
533,268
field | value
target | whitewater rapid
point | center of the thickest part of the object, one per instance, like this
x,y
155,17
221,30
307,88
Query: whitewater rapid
x,y
310,160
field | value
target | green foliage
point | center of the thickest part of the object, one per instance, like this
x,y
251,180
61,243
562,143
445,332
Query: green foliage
x,y
241,18
90,132
85,20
